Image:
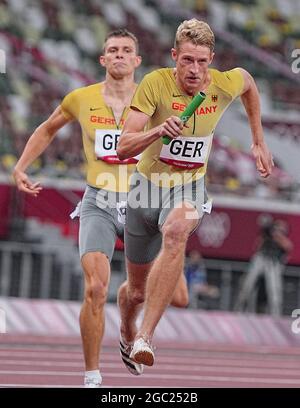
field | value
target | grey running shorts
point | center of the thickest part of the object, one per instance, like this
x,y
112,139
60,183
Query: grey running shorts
x,y
147,209
99,225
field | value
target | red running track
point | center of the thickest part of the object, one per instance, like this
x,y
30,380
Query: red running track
x,y
31,361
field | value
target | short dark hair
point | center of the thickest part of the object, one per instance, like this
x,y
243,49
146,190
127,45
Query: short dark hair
x,y
122,32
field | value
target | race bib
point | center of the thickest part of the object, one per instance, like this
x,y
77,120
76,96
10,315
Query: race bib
x,y
186,152
106,141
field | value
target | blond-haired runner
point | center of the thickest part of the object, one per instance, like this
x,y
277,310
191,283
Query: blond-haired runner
x,y
170,178
101,110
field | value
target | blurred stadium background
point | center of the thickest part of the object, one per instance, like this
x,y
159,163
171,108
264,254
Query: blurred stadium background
x,y
51,48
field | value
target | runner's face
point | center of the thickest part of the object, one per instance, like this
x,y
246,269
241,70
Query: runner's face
x,y
120,57
192,62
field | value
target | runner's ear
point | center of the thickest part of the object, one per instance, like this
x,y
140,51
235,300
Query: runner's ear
x,y
102,60
138,61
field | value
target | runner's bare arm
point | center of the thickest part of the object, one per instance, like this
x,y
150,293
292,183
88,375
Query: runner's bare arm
x,y
134,140
35,146
251,102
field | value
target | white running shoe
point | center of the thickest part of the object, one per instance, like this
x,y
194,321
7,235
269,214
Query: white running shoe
x,y
133,367
142,352
92,382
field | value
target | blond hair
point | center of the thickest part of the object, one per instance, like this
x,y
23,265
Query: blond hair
x,y
196,31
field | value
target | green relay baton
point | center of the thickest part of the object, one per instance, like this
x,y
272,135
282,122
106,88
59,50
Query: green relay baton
x,y
189,110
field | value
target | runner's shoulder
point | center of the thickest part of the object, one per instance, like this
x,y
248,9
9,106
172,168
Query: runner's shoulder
x,y
227,81
159,74
85,91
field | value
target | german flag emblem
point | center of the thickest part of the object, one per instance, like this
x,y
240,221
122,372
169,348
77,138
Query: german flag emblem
x,y
214,98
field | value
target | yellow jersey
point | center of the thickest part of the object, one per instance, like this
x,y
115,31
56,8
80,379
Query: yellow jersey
x,y
185,158
100,134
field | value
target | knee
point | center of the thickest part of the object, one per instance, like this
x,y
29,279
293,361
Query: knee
x,y
174,234
123,289
96,293
96,274
181,295
96,287
181,300
136,296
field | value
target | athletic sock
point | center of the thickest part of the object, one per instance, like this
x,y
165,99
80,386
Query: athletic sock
x,y
93,375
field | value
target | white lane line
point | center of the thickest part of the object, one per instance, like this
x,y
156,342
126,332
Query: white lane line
x,y
162,367
159,376
176,360
186,348
71,353
78,386
38,386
